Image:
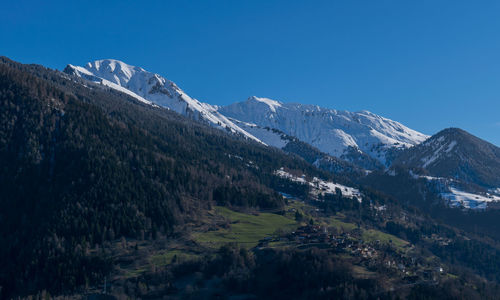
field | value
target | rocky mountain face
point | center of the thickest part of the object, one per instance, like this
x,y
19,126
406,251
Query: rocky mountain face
x,y
455,153
331,131
152,89
337,141
362,138
464,169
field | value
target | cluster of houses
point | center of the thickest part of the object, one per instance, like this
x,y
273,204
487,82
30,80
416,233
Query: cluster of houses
x,y
318,235
411,269
365,251
311,234
351,242
442,241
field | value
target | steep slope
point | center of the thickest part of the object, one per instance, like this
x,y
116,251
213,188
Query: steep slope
x,y
455,153
153,89
362,138
331,131
84,165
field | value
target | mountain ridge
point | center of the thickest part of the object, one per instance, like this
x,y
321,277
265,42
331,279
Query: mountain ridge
x,y
98,187
377,136
332,131
152,88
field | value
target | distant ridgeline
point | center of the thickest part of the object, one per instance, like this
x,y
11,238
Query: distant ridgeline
x,y
362,138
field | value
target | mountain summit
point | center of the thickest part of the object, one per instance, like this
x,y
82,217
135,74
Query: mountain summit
x,y
353,136
331,131
455,153
152,88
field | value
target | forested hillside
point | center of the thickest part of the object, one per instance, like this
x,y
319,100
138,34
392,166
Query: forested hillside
x,y
455,153
100,193
80,166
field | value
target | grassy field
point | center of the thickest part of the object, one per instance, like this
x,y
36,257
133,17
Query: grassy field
x,y
333,221
245,229
368,235
336,222
248,229
372,235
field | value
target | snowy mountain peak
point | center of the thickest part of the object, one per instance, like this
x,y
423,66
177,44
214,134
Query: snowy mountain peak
x,y
272,104
114,67
152,88
331,131
366,112
148,85
339,133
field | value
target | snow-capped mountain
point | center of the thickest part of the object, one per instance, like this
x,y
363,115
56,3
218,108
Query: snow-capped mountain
x,y
355,137
152,88
331,131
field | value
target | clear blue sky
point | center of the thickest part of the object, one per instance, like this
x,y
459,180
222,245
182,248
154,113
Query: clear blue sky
x,y
428,64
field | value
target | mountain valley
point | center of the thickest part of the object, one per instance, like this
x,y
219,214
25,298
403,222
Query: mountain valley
x,y
115,183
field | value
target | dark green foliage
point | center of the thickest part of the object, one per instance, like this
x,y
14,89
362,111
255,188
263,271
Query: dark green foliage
x,y
82,166
410,234
475,255
361,159
289,274
473,160
299,216
322,160
269,274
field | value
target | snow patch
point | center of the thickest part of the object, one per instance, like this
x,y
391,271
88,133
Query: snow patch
x,y
451,146
458,198
328,187
283,174
268,136
273,104
430,159
495,191
322,187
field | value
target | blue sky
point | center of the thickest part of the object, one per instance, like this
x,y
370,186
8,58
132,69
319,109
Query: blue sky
x,y
428,64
